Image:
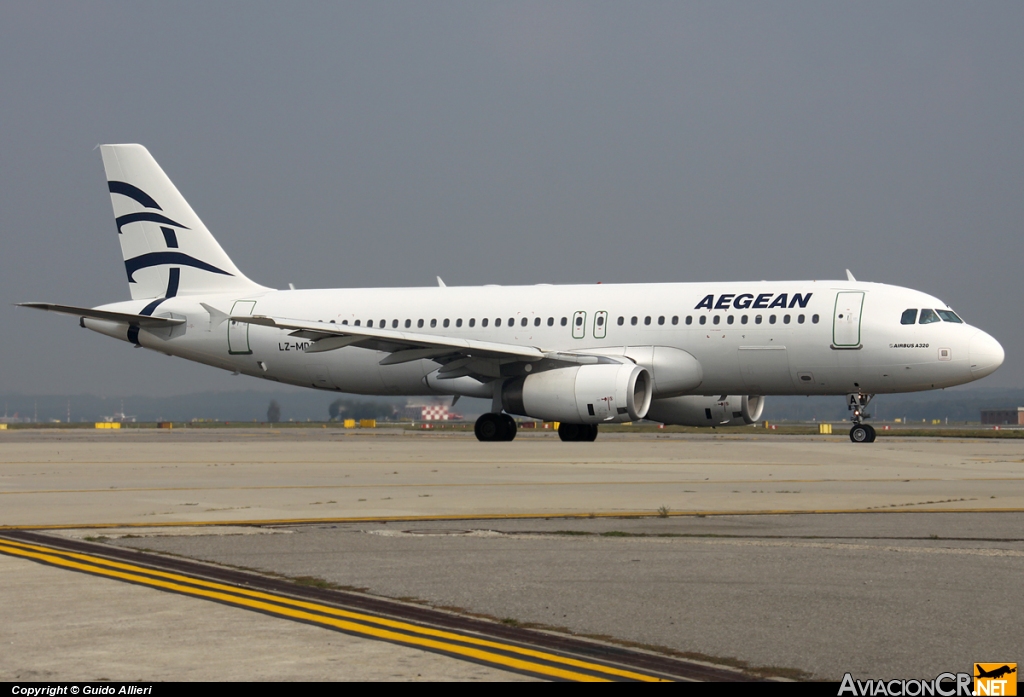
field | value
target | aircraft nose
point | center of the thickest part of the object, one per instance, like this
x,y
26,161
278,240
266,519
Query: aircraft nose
x,y
985,354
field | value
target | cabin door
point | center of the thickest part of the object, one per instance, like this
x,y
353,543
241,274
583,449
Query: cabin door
x,y
846,319
238,332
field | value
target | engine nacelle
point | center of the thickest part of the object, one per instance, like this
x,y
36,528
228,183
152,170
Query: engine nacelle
x,y
585,394
734,410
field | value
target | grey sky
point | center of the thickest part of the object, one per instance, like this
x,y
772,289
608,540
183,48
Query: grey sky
x,y
381,144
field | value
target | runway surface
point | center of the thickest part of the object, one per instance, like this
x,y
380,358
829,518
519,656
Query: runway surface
x,y
225,475
919,577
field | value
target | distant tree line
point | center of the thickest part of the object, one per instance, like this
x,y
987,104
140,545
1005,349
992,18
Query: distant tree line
x,y
341,409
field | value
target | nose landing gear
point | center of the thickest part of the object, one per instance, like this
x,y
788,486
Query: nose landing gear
x,y
860,432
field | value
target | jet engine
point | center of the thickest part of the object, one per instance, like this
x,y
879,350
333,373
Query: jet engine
x,y
586,394
733,410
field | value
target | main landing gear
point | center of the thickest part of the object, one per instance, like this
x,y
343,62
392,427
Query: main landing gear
x,y
577,432
861,432
491,427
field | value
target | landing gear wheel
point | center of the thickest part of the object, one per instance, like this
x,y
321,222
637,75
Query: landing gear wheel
x,y
577,432
569,432
861,433
871,433
489,427
510,427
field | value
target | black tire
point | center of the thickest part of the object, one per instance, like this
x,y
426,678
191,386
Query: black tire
x,y
591,433
860,433
569,432
489,427
510,427
871,433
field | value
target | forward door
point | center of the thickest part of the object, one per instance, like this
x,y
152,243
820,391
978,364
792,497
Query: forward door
x,y
846,319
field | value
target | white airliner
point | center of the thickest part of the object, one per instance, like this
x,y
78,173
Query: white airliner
x,y
695,354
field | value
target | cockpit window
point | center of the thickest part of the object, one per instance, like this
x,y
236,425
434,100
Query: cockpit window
x,y
949,316
909,317
929,316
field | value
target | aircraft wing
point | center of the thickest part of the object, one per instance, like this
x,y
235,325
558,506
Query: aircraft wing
x,y
482,359
127,317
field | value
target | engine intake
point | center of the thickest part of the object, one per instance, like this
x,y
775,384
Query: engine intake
x,y
586,394
734,410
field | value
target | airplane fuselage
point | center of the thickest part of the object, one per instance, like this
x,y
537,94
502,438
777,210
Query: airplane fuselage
x,y
762,338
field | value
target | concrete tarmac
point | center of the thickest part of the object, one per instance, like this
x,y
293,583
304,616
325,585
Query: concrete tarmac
x,y
199,475
898,589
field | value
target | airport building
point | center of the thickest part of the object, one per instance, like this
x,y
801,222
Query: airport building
x,y
1003,417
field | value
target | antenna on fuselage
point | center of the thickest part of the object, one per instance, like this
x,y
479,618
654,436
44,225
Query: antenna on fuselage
x,y
440,283
849,277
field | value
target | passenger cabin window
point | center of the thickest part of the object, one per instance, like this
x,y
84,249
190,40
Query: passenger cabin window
x,y
928,316
799,319
446,323
771,319
743,319
472,322
689,319
949,316
703,319
536,322
909,317
661,320
458,322
483,322
357,323
419,323
433,323
730,319
524,321
675,319
814,319
497,322
511,321
408,323
632,321
564,321
647,319
383,324
717,319
600,320
551,321
369,323
785,319
394,324
344,321
622,320
757,319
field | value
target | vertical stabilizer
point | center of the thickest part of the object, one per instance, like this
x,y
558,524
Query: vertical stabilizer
x,y
167,250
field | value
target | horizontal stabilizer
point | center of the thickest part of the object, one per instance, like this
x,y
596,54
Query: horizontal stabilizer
x,y
126,317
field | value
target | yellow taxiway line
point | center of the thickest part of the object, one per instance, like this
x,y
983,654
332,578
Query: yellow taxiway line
x,y
488,651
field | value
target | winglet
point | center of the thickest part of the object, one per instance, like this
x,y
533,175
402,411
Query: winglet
x,y
849,277
440,283
217,317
